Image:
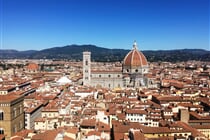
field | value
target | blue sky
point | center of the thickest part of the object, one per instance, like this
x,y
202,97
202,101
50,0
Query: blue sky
x,y
154,24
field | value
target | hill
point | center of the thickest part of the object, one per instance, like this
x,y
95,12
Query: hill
x,y
74,52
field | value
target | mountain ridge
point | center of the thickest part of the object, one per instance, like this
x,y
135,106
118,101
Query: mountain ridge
x,y
74,52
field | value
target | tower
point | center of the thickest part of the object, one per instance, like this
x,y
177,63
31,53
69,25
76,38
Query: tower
x,y
11,114
86,67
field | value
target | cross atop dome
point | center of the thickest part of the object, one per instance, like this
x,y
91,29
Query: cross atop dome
x,y
135,45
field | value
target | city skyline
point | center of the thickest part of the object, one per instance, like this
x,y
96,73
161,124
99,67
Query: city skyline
x,y
162,25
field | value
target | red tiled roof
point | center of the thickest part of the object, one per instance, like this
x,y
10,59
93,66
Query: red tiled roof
x,y
102,127
47,135
96,133
23,134
16,138
8,98
137,135
135,111
88,122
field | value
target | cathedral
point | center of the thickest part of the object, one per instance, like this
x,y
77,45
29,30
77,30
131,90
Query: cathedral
x,y
132,73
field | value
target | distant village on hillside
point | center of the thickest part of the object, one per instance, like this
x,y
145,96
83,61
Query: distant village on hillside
x,y
131,99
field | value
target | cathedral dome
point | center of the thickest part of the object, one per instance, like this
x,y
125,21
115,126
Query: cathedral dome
x,y
135,58
33,66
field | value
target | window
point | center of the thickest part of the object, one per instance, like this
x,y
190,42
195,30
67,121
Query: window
x,y
1,131
118,75
99,75
127,70
21,109
86,62
109,76
136,70
20,125
14,112
1,115
15,129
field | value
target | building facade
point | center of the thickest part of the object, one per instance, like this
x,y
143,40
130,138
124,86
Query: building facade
x,y
11,114
132,73
31,114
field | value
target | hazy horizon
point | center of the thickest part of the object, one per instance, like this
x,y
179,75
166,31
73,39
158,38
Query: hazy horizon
x,y
107,48
155,25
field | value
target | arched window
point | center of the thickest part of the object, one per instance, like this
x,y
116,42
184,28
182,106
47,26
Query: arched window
x,y
109,75
136,70
1,115
1,131
15,112
86,62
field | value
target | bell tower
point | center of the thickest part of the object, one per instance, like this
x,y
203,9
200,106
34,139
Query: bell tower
x,y
86,67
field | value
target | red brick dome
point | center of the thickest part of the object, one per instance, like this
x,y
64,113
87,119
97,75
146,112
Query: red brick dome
x,y
135,58
33,66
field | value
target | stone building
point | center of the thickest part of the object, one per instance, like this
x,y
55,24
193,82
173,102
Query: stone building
x,y
132,73
11,114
